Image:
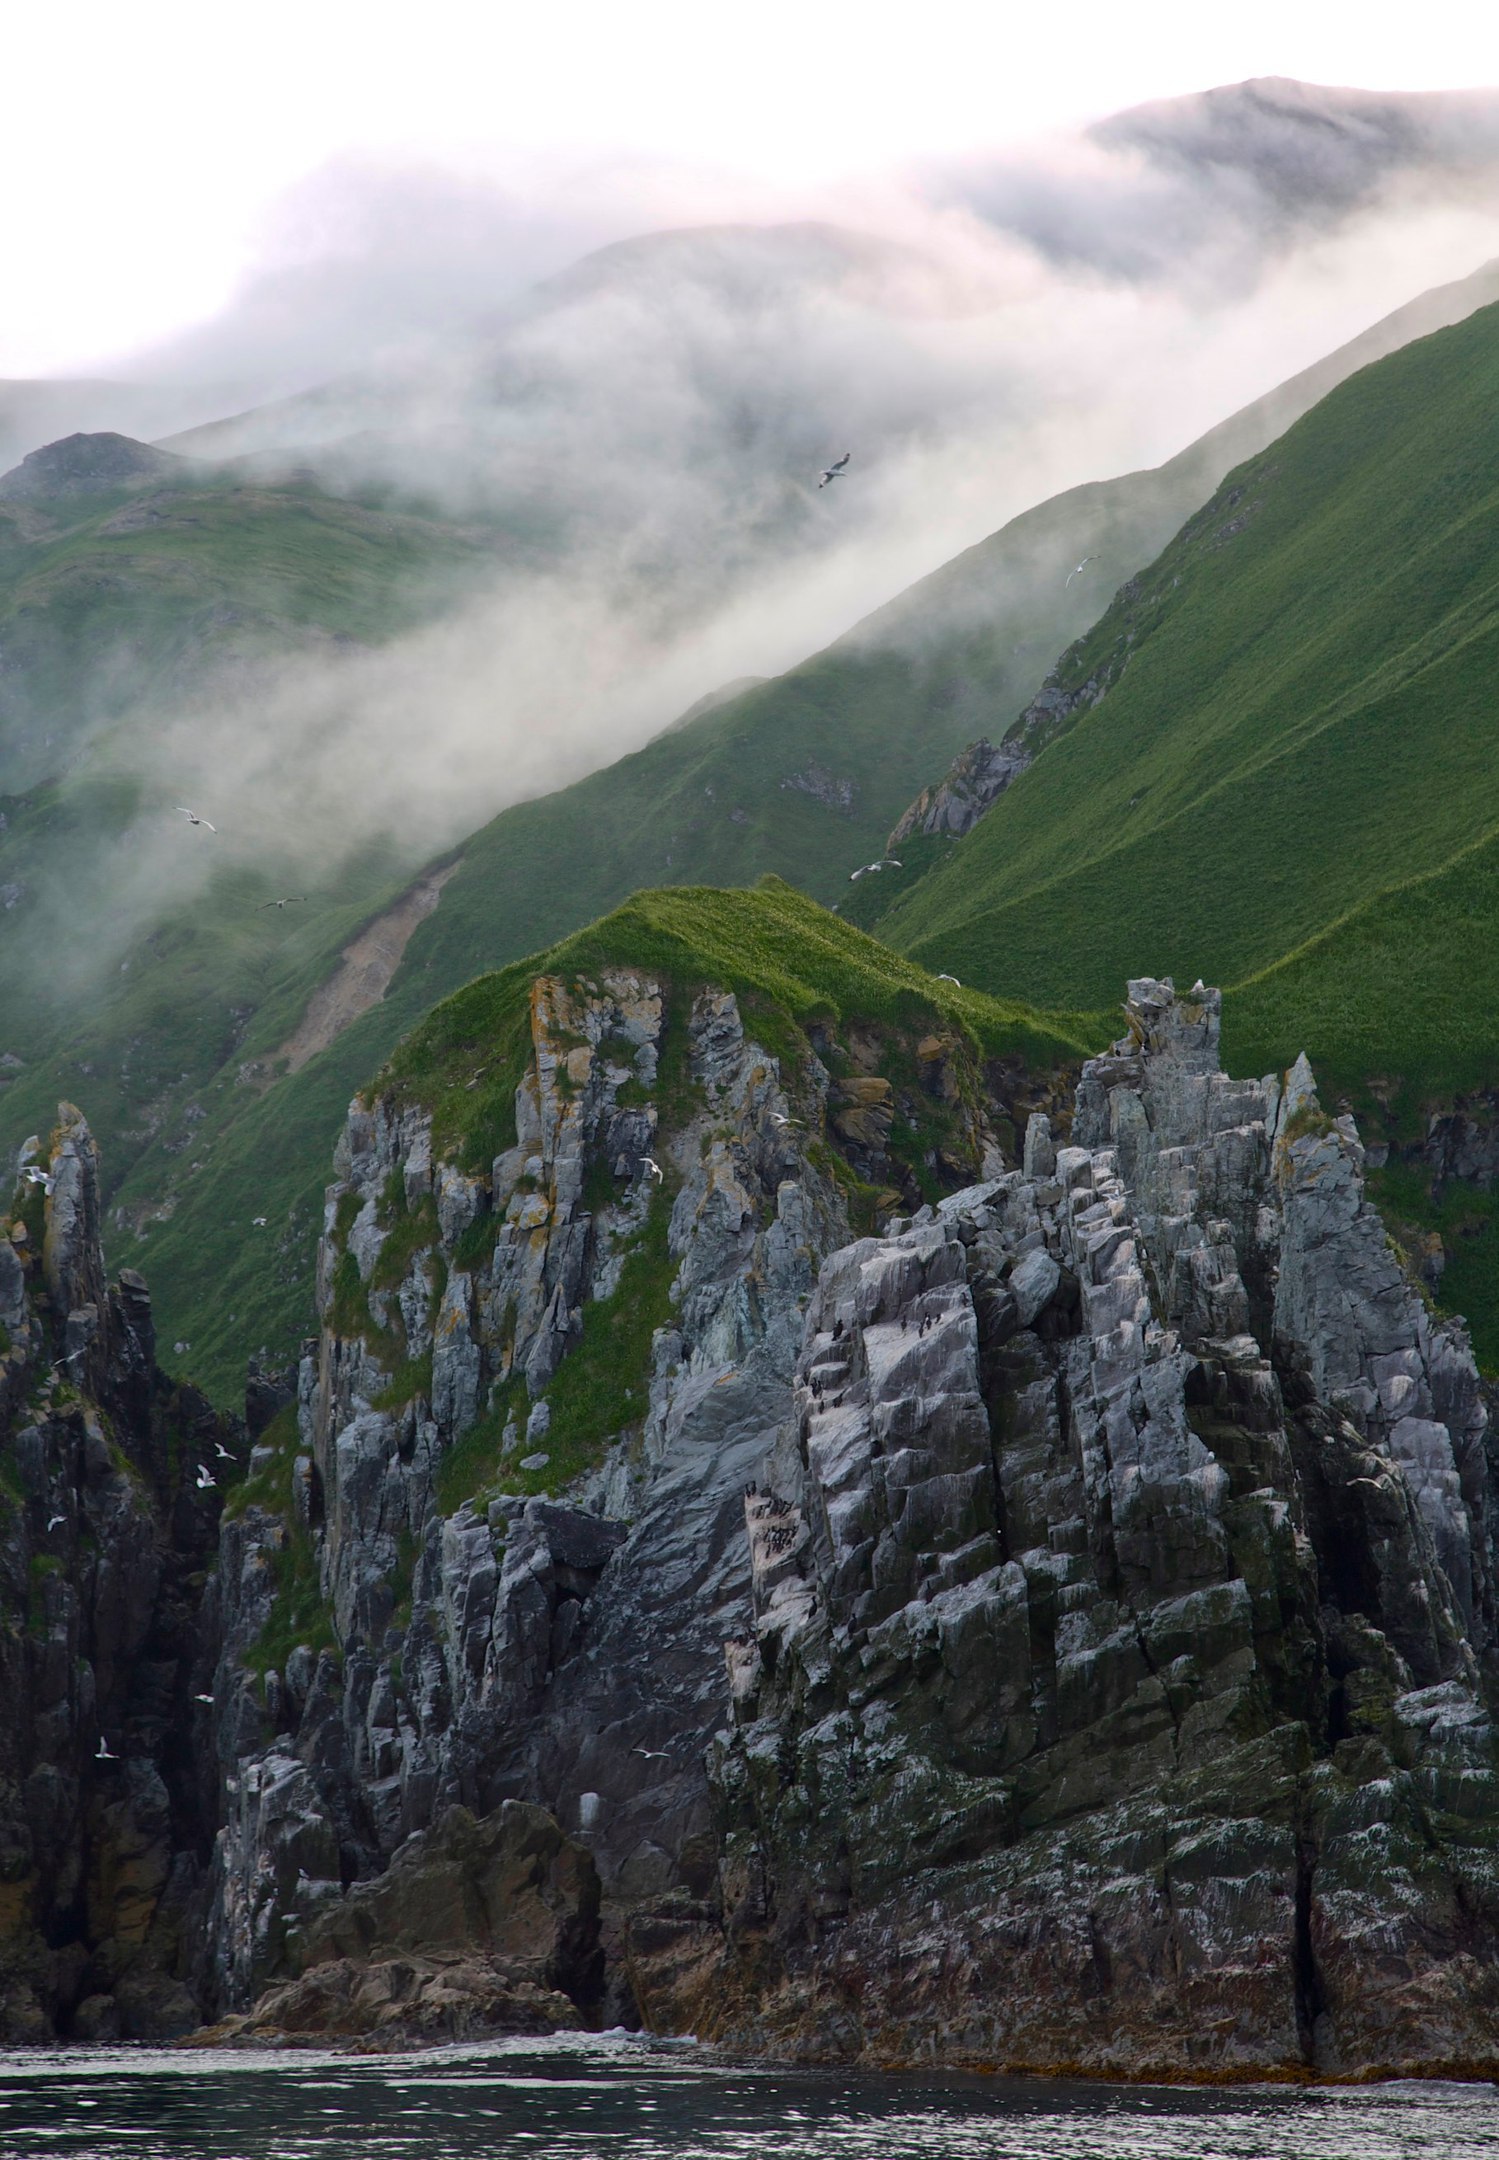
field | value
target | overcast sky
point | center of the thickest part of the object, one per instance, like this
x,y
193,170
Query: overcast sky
x,y
153,156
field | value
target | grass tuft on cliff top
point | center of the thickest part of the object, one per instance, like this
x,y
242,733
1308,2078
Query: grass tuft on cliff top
x,y
790,963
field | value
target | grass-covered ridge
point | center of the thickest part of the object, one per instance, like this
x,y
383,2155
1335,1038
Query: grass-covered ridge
x,y
1301,723
790,963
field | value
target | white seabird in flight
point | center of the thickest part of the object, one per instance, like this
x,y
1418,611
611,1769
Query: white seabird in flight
x,y
652,1168
835,471
291,900
1082,566
952,979
205,1477
104,1752
193,817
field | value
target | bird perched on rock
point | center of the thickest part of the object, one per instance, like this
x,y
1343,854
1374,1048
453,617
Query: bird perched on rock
x,y
194,819
836,470
1082,566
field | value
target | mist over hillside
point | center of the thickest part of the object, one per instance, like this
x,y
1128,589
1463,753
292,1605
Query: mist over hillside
x,y
496,529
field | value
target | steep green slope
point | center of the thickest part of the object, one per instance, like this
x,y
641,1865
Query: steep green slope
x,y
1291,713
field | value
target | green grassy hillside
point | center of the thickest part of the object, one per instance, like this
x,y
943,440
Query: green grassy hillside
x,y
1299,716
115,600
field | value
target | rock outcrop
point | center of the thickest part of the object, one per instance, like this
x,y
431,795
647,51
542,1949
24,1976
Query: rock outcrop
x,y
475,1928
1123,1613
514,1483
105,1533
953,805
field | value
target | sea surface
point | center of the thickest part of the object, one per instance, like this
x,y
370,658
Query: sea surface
x,y
597,2098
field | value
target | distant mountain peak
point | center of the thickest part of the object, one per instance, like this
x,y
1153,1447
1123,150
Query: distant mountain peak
x,y
90,465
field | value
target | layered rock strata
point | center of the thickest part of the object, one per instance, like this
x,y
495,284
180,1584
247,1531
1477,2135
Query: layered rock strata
x,y
1124,1593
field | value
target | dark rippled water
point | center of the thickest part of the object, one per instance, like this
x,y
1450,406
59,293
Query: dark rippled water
x,y
597,2099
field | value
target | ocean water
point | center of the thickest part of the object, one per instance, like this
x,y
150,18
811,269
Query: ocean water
x,y
601,2099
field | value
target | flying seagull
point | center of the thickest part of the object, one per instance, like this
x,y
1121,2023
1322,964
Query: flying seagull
x,y
104,1752
193,817
222,1452
653,1168
291,900
777,1119
33,1176
654,1753
835,471
258,1222
205,1477
1082,566
54,1520
952,979
892,862
203,1698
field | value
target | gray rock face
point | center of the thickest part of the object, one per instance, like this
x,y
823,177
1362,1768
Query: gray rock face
x,y
976,778
1055,1630
564,1651
1121,1592
104,1536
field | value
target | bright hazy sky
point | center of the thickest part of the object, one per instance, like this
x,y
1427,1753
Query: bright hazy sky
x,y
148,149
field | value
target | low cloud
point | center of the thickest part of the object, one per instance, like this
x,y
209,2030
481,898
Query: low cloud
x,y
639,432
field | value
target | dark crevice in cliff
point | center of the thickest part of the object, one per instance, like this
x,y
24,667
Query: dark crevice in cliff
x,y
1310,1995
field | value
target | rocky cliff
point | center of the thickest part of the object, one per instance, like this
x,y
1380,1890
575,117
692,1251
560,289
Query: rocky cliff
x,y
1124,1597
749,1556
512,1489
110,1478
